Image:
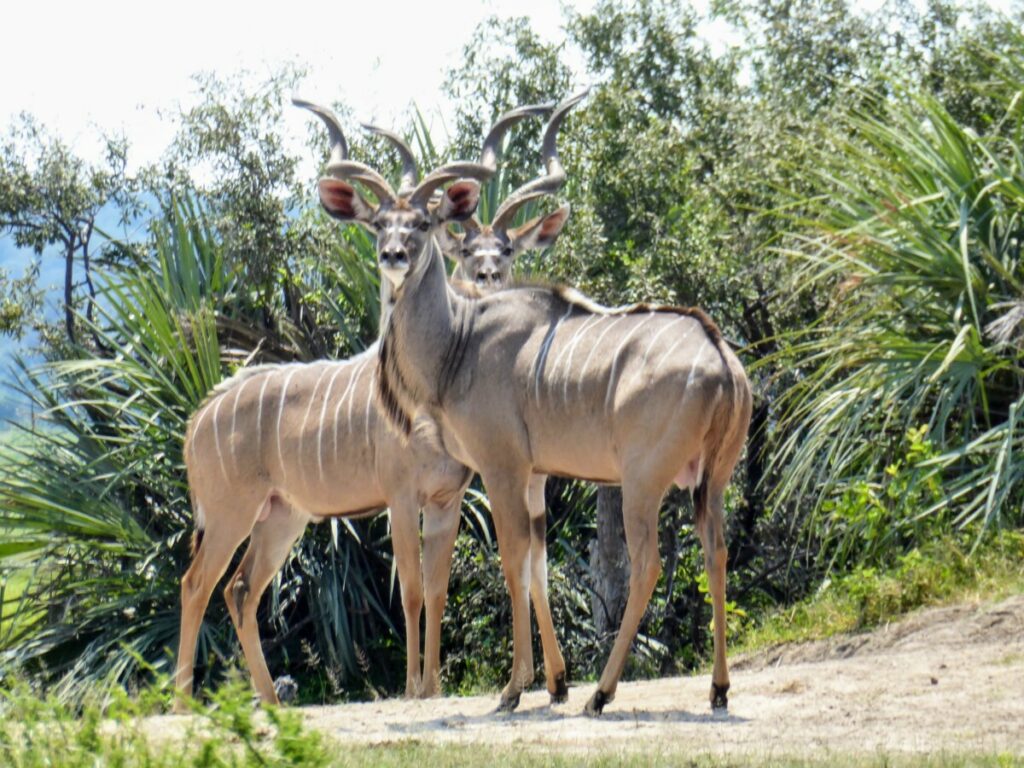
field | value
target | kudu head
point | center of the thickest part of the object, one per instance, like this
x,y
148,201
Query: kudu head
x,y
402,221
484,253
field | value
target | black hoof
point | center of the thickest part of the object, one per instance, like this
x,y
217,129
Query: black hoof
x,y
508,704
561,694
286,688
720,698
596,704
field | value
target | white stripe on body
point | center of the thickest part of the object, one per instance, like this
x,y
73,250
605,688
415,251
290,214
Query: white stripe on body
x,y
352,399
234,414
542,354
653,341
216,438
569,349
305,418
341,400
199,423
593,349
320,432
696,359
259,417
670,350
615,360
369,403
280,412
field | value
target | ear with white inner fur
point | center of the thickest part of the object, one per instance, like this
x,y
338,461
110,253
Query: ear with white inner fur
x,y
540,232
459,201
341,201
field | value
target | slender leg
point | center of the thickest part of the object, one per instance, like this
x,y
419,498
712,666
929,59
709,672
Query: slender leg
x,y
405,539
640,518
554,663
219,541
709,526
507,491
271,542
440,527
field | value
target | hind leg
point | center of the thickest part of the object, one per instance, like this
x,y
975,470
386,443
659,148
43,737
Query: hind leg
x,y
271,542
554,663
709,524
640,505
217,544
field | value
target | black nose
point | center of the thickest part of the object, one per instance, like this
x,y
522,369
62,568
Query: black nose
x,y
394,256
485,277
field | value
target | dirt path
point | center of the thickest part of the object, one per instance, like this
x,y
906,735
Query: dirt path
x,y
944,679
948,679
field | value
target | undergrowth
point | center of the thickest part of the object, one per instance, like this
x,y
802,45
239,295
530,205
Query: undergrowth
x,y
944,570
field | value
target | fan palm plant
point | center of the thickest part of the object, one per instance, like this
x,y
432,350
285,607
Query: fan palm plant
x,y
95,505
905,411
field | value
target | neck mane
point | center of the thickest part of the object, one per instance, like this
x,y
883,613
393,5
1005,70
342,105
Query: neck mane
x,y
423,343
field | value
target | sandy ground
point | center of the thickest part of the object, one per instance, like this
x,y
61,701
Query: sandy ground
x,y
947,679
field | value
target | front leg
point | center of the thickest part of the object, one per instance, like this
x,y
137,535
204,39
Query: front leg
x,y
507,491
405,540
440,527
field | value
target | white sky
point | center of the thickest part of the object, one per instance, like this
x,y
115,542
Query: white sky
x,y
113,65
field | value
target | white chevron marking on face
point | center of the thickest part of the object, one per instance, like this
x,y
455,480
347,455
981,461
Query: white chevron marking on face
x,y
280,413
320,432
615,359
216,437
305,418
593,349
542,354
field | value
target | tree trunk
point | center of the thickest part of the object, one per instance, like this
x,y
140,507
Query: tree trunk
x,y
69,289
609,562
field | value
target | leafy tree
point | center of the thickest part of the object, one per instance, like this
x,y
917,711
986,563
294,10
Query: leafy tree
x,y
50,200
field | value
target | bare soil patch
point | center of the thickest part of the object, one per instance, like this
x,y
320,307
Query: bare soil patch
x,y
941,680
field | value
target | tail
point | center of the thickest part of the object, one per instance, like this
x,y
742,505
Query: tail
x,y
728,432
198,523
198,518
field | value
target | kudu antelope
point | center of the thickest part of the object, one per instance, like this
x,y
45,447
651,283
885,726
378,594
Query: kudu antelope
x,y
275,447
488,251
484,253
541,380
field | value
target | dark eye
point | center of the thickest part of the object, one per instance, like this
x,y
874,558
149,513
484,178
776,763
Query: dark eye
x,y
506,251
424,226
378,225
465,253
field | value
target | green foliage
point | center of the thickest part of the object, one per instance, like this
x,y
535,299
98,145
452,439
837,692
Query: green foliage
x,y
94,505
916,243
50,200
880,153
942,570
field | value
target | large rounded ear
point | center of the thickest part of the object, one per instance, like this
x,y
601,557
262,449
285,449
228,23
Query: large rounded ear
x,y
341,201
540,232
459,201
